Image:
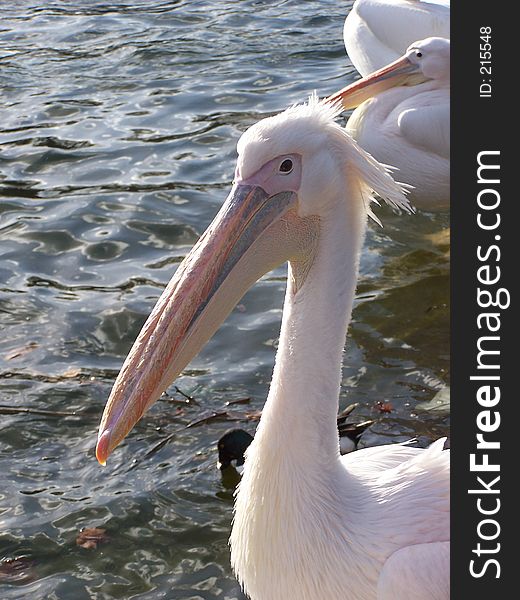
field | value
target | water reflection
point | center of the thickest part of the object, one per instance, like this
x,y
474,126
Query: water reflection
x,y
117,146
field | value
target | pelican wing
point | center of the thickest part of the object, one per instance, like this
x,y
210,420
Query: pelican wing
x,y
419,572
427,128
377,459
400,462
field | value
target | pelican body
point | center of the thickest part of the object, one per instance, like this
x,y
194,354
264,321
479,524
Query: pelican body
x,y
403,119
377,32
308,523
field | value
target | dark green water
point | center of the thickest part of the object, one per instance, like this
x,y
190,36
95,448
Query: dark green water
x,y
117,145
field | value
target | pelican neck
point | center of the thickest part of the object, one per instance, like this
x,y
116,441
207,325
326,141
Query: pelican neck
x,y
302,405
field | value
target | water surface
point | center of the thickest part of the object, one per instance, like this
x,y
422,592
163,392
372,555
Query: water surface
x,y
117,146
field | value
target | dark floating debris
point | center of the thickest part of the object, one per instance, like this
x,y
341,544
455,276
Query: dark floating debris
x,y
187,398
71,374
238,401
18,410
21,351
222,415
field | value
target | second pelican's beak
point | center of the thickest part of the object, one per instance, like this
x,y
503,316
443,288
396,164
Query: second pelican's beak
x,y
252,234
401,72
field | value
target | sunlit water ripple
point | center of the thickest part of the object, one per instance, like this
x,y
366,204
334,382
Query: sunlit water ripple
x,y
117,146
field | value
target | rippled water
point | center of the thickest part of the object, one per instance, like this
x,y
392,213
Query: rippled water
x,y
117,145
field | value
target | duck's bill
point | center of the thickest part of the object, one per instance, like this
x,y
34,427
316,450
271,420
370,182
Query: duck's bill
x,y
400,72
247,238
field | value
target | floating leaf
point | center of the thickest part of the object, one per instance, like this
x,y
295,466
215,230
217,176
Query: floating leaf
x,y
383,407
17,570
91,537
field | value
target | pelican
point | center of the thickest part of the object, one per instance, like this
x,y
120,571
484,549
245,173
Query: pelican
x,y
308,523
377,32
403,119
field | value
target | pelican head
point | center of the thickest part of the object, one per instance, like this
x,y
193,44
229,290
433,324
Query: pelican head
x,y
424,60
291,170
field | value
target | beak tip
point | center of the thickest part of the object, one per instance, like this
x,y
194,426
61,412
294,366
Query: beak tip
x,y
103,447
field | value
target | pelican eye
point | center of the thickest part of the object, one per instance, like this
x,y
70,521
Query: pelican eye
x,y
419,55
286,166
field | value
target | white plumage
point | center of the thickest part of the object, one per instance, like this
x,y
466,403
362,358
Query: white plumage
x,y
403,119
376,32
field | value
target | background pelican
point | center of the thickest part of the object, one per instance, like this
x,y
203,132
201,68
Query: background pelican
x,y
403,119
377,32
308,523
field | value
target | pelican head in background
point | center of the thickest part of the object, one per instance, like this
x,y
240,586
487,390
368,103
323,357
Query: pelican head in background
x,y
308,522
377,32
403,119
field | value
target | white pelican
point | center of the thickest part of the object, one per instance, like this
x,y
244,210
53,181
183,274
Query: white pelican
x,y
377,32
308,523
403,119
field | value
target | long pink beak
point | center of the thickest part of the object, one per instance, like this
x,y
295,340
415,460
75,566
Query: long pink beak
x,y
400,72
250,236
